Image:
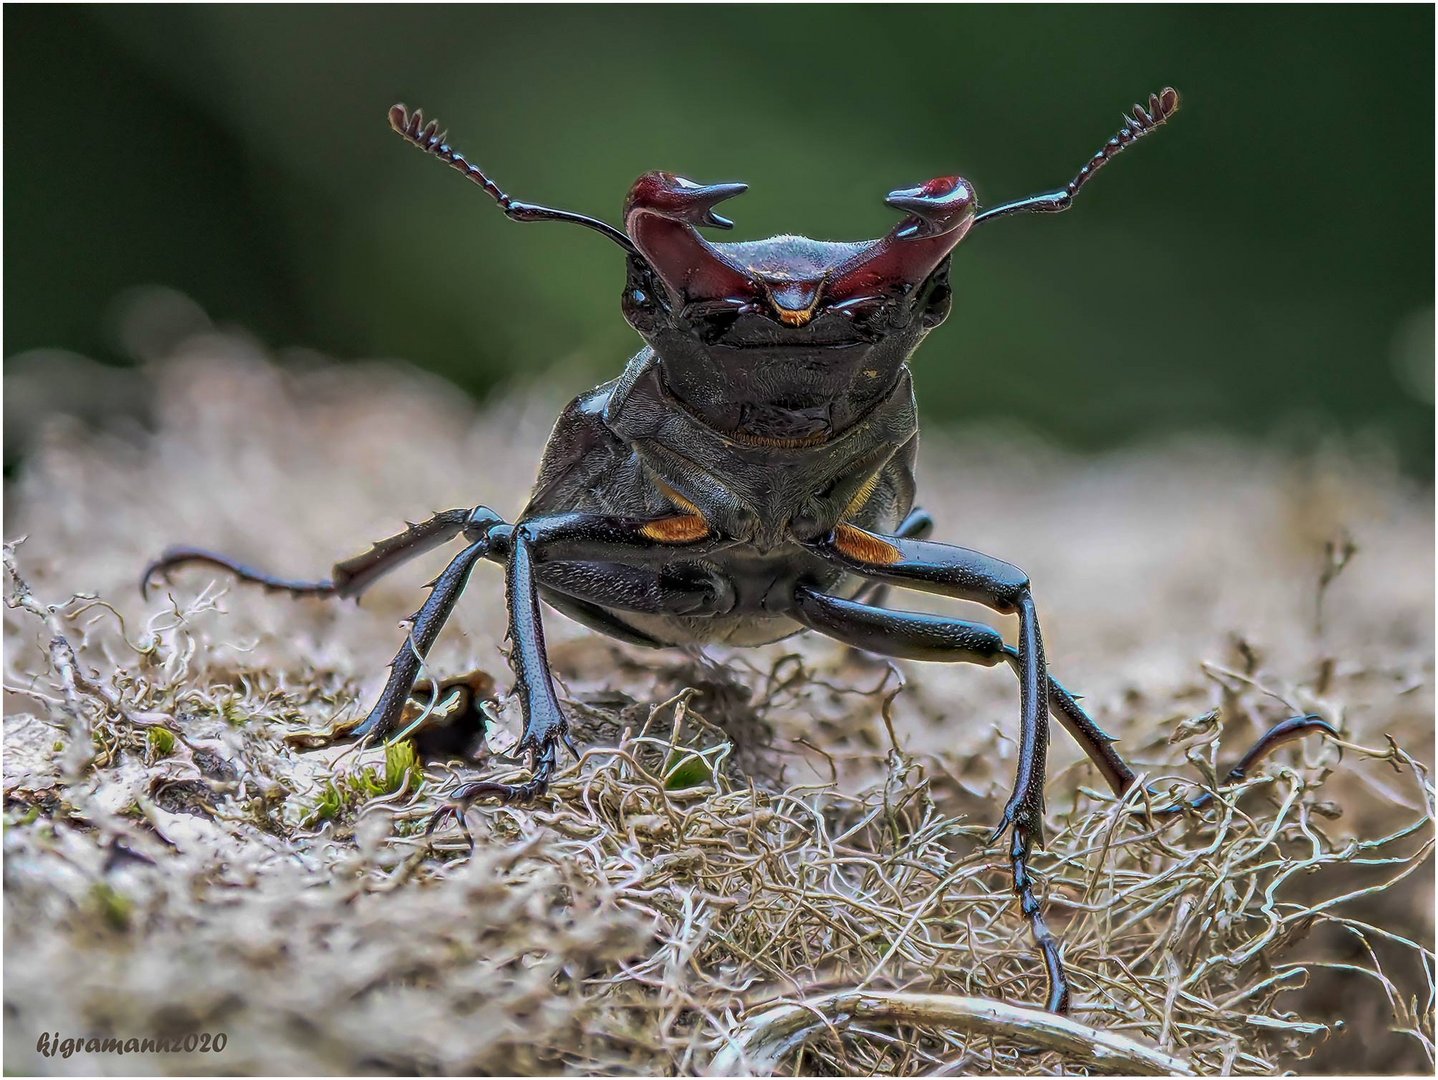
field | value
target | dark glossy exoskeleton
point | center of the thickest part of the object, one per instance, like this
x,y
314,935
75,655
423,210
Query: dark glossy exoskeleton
x,y
749,475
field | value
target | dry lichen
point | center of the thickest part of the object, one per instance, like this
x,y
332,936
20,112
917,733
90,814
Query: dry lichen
x,y
743,831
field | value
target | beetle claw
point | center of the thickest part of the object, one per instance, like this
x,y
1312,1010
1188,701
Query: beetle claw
x,y
1020,813
467,794
445,813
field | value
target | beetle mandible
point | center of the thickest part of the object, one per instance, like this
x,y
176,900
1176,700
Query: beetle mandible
x,y
748,476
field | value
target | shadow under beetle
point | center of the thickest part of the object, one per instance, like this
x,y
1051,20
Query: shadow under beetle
x,y
749,475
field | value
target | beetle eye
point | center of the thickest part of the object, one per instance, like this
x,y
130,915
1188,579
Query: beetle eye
x,y
699,310
861,306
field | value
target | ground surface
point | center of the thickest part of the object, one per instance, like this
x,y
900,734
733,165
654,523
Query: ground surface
x,y
180,856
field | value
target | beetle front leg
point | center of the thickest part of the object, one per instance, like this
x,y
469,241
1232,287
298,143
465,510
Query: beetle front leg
x,y
969,575
560,538
918,524
1024,812
545,726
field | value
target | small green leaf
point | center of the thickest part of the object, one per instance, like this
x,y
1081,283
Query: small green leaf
x,y
401,767
688,773
162,742
114,907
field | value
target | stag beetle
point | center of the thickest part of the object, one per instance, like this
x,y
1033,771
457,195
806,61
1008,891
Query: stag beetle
x,y
748,476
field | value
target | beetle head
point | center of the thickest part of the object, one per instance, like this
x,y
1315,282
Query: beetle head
x,y
786,338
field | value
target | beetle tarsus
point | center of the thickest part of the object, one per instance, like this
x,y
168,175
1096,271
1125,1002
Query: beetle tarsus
x,y
467,794
474,790
1020,850
180,555
1281,733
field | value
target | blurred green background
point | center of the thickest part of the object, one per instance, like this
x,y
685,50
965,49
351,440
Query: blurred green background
x,y
1264,264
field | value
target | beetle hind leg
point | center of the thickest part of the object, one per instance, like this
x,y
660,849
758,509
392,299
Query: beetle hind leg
x,y
1098,744
183,555
349,578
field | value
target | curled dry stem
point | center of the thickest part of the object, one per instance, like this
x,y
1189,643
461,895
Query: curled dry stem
x,y
760,1044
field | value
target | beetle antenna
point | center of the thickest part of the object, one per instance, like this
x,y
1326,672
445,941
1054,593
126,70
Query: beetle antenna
x,y
1161,107
429,138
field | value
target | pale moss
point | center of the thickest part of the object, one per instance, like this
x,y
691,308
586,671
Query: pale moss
x,y
671,886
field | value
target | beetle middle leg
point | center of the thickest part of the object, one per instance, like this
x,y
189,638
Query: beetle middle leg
x,y
351,577
590,556
1119,775
913,635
